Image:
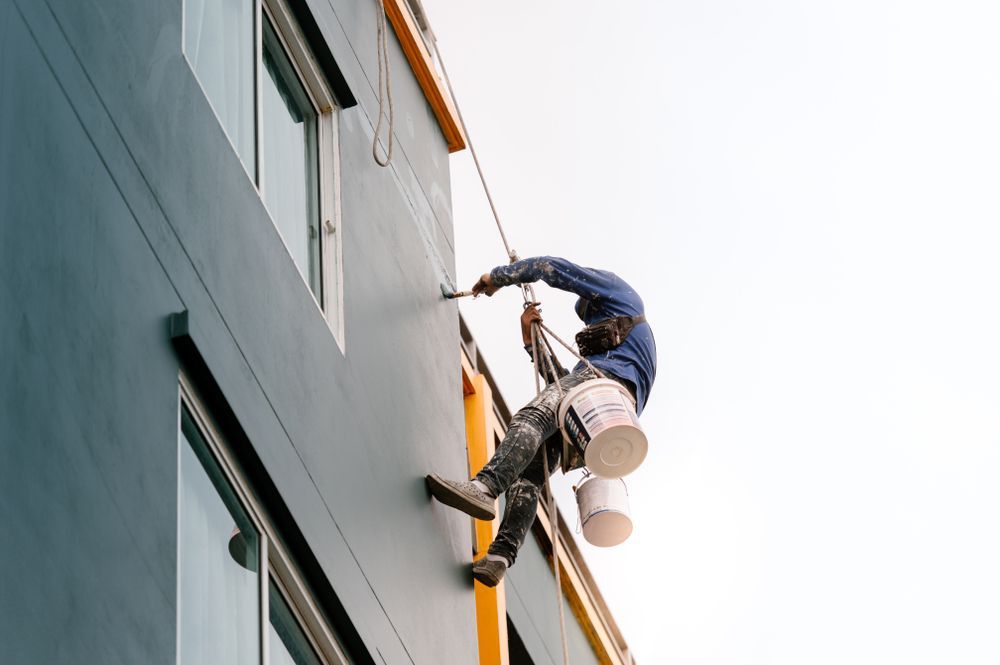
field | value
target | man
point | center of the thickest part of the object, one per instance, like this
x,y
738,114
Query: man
x,y
605,303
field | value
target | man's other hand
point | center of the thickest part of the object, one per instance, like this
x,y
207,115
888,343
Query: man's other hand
x,y
485,285
529,316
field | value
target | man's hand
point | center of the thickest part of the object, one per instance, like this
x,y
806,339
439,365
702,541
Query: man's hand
x,y
528,317
485,285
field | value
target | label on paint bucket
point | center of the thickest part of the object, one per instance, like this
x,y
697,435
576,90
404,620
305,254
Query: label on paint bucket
x,y
575,429
588,414
599,420
601,411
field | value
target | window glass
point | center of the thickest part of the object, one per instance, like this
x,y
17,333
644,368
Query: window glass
x,y
219,564
288,644
219,43
290,158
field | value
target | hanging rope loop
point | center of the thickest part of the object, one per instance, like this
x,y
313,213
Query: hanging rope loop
x,y
384,88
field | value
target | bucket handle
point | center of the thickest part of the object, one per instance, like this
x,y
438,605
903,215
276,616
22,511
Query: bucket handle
x,y
586,474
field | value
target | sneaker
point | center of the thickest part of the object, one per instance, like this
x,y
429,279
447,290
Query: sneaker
x,y
489,571
465,496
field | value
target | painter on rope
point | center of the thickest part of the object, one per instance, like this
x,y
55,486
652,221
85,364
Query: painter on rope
x,y
517,467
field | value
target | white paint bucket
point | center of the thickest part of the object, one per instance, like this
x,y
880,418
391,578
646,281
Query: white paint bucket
x,y
599,417
603,505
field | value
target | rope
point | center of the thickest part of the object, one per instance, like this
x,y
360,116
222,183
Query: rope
x,y
384,72
511,254
552,354
528,292
550,496
583,359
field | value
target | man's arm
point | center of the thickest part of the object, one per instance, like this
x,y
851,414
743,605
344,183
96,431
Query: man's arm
x,y
558,273
602,293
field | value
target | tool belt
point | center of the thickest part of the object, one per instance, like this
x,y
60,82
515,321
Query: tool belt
x,y
605,335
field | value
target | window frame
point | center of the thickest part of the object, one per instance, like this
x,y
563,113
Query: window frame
x,y
330,300
327,110
256,77
277,564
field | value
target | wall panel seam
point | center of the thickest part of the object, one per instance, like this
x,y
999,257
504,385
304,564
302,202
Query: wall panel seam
x,y
107,487
208,294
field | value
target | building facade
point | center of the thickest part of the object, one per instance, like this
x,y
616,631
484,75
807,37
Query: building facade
x,y
227,363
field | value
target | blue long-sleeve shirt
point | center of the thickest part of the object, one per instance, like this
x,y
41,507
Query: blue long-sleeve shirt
x,y
602,295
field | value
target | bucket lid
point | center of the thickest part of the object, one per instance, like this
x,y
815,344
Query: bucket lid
x,y
617,451
625,450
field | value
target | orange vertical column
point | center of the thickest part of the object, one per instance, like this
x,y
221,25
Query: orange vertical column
x,y
491,604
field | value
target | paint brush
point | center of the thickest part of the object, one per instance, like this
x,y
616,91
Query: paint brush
x,y
451,295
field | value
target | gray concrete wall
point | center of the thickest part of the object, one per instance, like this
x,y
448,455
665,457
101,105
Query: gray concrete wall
x,y
121,202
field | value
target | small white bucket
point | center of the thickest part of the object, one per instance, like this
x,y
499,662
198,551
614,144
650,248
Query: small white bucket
x,y
603,505
599,417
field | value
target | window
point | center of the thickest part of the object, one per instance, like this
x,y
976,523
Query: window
x,y
288,644
240,598
219,44
279,112
290,178
220,593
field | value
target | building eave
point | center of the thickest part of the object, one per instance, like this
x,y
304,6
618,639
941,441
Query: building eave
x,y
415,49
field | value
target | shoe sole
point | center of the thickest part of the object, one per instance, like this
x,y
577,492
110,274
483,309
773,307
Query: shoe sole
x,y
449,496
484,577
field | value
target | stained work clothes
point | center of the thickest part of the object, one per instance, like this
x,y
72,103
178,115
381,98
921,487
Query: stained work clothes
x,y
517,467
602,295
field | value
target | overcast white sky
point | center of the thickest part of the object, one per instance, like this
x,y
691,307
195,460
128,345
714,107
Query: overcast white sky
x,y
806,196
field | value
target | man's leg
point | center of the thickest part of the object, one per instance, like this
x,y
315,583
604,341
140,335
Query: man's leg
x,y
528,428
522,502
518,515
533,424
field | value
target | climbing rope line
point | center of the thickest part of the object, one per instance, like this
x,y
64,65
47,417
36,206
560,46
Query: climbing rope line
x,y
552,355
528,293
384,88
583,359
550,497
511,254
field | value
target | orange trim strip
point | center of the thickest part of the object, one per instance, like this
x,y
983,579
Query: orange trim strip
x,y
482,430
467,374
412,42
491,604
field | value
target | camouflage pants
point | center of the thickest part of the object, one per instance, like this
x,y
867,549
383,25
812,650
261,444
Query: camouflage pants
x,y
518,467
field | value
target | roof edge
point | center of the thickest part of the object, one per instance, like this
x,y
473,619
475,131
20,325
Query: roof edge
x,y
411,39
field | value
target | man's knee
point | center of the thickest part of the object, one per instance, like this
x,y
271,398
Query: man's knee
x,y
523,489
532,424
